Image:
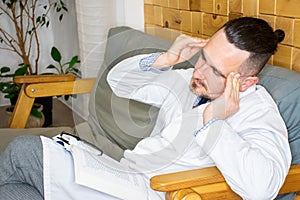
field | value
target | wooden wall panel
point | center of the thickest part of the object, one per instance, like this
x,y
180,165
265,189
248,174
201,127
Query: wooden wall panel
x,y
287,25
283,57
212,22
207,6
172,18
235,6
186,23
221,7
297,33
195,5
196,24
174,4
201,18
296,59
289,8
267,7
250,8
184,4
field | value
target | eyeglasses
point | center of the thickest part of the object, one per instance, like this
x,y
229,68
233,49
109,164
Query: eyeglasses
x,y
217,73
214,70
66,139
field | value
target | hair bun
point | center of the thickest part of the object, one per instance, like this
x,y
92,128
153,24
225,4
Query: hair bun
x,y
279,35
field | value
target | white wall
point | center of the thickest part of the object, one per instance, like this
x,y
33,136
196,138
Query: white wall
x,y
130,13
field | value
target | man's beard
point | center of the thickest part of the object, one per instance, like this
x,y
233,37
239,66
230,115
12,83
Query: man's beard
x,y
194,87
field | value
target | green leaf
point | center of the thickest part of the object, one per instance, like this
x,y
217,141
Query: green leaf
x,y
65,8
55,54
4,69
61,17
73,61
21,71
36,113
38,19
51,67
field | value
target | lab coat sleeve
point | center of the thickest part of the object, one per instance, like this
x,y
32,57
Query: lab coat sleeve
x,y
254,163
128,80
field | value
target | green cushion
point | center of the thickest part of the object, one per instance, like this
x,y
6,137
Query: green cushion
x,y
125,122
284,86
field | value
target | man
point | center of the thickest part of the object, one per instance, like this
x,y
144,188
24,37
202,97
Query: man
x,y
214,114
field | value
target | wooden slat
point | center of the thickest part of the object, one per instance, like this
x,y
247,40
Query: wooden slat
x,y
186,179
44,78
63,88
216,191
210,180
22,110
292,181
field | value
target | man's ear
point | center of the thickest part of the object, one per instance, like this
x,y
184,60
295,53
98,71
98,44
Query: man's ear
x,y
247,82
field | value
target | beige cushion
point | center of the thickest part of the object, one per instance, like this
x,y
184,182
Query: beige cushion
x,y
7,135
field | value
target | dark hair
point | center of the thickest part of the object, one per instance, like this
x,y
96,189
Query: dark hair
x,y
255,36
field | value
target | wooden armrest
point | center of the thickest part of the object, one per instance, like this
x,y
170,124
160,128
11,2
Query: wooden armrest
x,y
186,179
60,88
44,78
30,91
209,180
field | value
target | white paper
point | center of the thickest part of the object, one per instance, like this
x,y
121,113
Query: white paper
x,y
104,174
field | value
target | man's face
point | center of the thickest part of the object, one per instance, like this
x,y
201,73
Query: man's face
x,y
217,59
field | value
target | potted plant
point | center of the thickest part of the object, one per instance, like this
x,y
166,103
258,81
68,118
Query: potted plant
x,y
26,18
69,67
11,91
20,35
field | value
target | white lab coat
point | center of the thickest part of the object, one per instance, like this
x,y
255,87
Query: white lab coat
x,y
250,148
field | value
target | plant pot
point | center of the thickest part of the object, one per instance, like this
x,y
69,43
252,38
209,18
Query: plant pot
x,y
47,109
33,122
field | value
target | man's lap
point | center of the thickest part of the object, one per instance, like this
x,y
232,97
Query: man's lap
x,y
59,180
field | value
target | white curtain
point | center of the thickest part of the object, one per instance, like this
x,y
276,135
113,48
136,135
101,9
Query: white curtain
x,y
94,18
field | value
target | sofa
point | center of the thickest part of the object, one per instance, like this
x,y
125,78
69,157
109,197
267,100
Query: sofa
x,y
104,131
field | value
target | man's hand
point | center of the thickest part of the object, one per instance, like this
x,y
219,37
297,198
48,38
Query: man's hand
x,y
227,104
183,48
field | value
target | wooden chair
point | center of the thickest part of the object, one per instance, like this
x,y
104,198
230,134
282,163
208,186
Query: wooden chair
x,y
43,86
207,183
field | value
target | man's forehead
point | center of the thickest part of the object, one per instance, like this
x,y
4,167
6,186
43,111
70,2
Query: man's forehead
x,y
220,52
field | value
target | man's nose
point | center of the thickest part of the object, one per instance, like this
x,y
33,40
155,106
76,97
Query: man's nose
x,y
201,72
